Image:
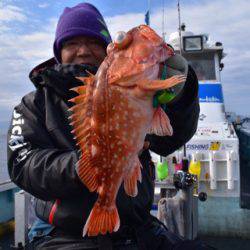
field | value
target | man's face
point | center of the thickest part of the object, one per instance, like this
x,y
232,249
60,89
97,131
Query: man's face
x,y
83,50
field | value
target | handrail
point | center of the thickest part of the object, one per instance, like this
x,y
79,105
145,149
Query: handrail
x,y
6,185
5,182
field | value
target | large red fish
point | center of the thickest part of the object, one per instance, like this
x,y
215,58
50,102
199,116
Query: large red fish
x,y
111,116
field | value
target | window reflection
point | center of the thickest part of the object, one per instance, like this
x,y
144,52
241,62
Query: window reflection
x,y
203,64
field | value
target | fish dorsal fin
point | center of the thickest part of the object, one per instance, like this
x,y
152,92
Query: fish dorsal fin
x,y
161,124
81,122
87,80
81,90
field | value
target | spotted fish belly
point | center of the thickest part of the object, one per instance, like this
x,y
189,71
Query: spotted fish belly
x,y
116,127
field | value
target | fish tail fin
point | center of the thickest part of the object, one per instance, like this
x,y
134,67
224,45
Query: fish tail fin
x,y
102,220
161,124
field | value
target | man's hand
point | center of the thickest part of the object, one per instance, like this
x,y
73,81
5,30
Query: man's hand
x,y
175,66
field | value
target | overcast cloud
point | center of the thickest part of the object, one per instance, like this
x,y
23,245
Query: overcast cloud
x,y
226,21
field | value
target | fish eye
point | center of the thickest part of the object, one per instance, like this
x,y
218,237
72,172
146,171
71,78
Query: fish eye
x,y
120,36
122,39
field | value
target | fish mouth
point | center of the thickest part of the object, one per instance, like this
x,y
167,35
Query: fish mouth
x,y
126,83
130,81
129,86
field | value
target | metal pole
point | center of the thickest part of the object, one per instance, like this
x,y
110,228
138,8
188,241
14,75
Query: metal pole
x,y
163,20
180,38
179,17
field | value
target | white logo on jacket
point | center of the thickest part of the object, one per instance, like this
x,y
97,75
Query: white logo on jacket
x,y
16,141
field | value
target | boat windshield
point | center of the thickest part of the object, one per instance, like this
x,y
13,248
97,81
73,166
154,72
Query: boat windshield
x,y
203,64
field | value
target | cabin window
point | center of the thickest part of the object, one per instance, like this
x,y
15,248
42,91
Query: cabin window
x,y
203,64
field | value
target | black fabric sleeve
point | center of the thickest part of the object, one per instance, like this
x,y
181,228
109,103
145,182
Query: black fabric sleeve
x,y
34,164
183,116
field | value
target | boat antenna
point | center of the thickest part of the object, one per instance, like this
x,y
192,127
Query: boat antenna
x,y
180,28
179,17
163,20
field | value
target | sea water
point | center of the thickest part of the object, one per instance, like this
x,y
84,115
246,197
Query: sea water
x,y
4,176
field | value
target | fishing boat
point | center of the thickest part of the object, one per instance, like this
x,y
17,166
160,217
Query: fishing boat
x,y
219,152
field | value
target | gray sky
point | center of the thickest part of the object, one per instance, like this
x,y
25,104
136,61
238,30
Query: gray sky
x,y
27,32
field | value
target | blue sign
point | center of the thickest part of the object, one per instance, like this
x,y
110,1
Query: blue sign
x,y
210,92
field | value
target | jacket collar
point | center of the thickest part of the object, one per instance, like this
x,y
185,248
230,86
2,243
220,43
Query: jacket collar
x,y
61,78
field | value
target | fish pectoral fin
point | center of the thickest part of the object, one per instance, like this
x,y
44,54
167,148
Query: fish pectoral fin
x,y
87,172
161,124
102,220
130,181
155,85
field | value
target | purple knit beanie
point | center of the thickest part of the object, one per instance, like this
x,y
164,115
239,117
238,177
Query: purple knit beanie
x,y
83,19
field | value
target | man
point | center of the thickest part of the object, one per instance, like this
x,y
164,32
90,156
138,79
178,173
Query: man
x,y
42,153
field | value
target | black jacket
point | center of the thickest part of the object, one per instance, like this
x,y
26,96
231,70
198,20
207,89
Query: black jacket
x,y
42,153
